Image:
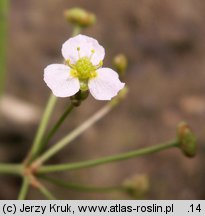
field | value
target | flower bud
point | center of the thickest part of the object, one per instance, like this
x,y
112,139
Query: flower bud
x,y
137,186
80,17
187,139
120,64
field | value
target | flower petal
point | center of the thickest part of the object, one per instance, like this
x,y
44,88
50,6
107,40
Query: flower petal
x,y
86,45
59,80
105,85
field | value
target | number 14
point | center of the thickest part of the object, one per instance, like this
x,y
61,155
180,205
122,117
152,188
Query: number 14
x,y
195,208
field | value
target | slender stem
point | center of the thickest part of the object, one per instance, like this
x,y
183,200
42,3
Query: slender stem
x,y
37,145
46,192
12,169
4,9
71,136
24,189
77,29
42,127
37,141
105,160
82,188
56,126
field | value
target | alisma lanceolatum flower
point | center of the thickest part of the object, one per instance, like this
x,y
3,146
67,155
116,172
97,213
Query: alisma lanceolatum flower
x,y
82,71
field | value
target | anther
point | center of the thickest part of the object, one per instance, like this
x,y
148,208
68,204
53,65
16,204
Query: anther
x,y
78,49
92,53
69,64
99,65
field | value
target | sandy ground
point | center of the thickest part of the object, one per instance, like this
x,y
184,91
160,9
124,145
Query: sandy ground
x,y
165,44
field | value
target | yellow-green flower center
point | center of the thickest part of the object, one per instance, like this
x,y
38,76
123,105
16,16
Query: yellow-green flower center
x,y
83,70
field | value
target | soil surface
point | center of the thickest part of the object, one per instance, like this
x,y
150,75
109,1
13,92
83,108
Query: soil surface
x,y
165,45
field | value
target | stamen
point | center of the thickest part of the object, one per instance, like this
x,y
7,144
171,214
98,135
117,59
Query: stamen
x,y
99,65
69,64
78,49
92,53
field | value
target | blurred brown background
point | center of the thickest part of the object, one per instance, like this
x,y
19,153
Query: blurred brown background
x,y
165,44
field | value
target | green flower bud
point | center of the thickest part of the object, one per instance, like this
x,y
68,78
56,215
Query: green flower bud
x,y
80,17
137,186
120,64
187,139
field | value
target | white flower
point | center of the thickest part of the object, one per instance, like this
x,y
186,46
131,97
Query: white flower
x,y
82,71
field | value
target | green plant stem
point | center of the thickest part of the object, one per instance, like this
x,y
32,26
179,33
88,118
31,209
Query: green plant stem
x,y
24,189
77,29
39,135
105,160
38,144
56,126
4,9
46,192
42,127
71,136
11,169
82,188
